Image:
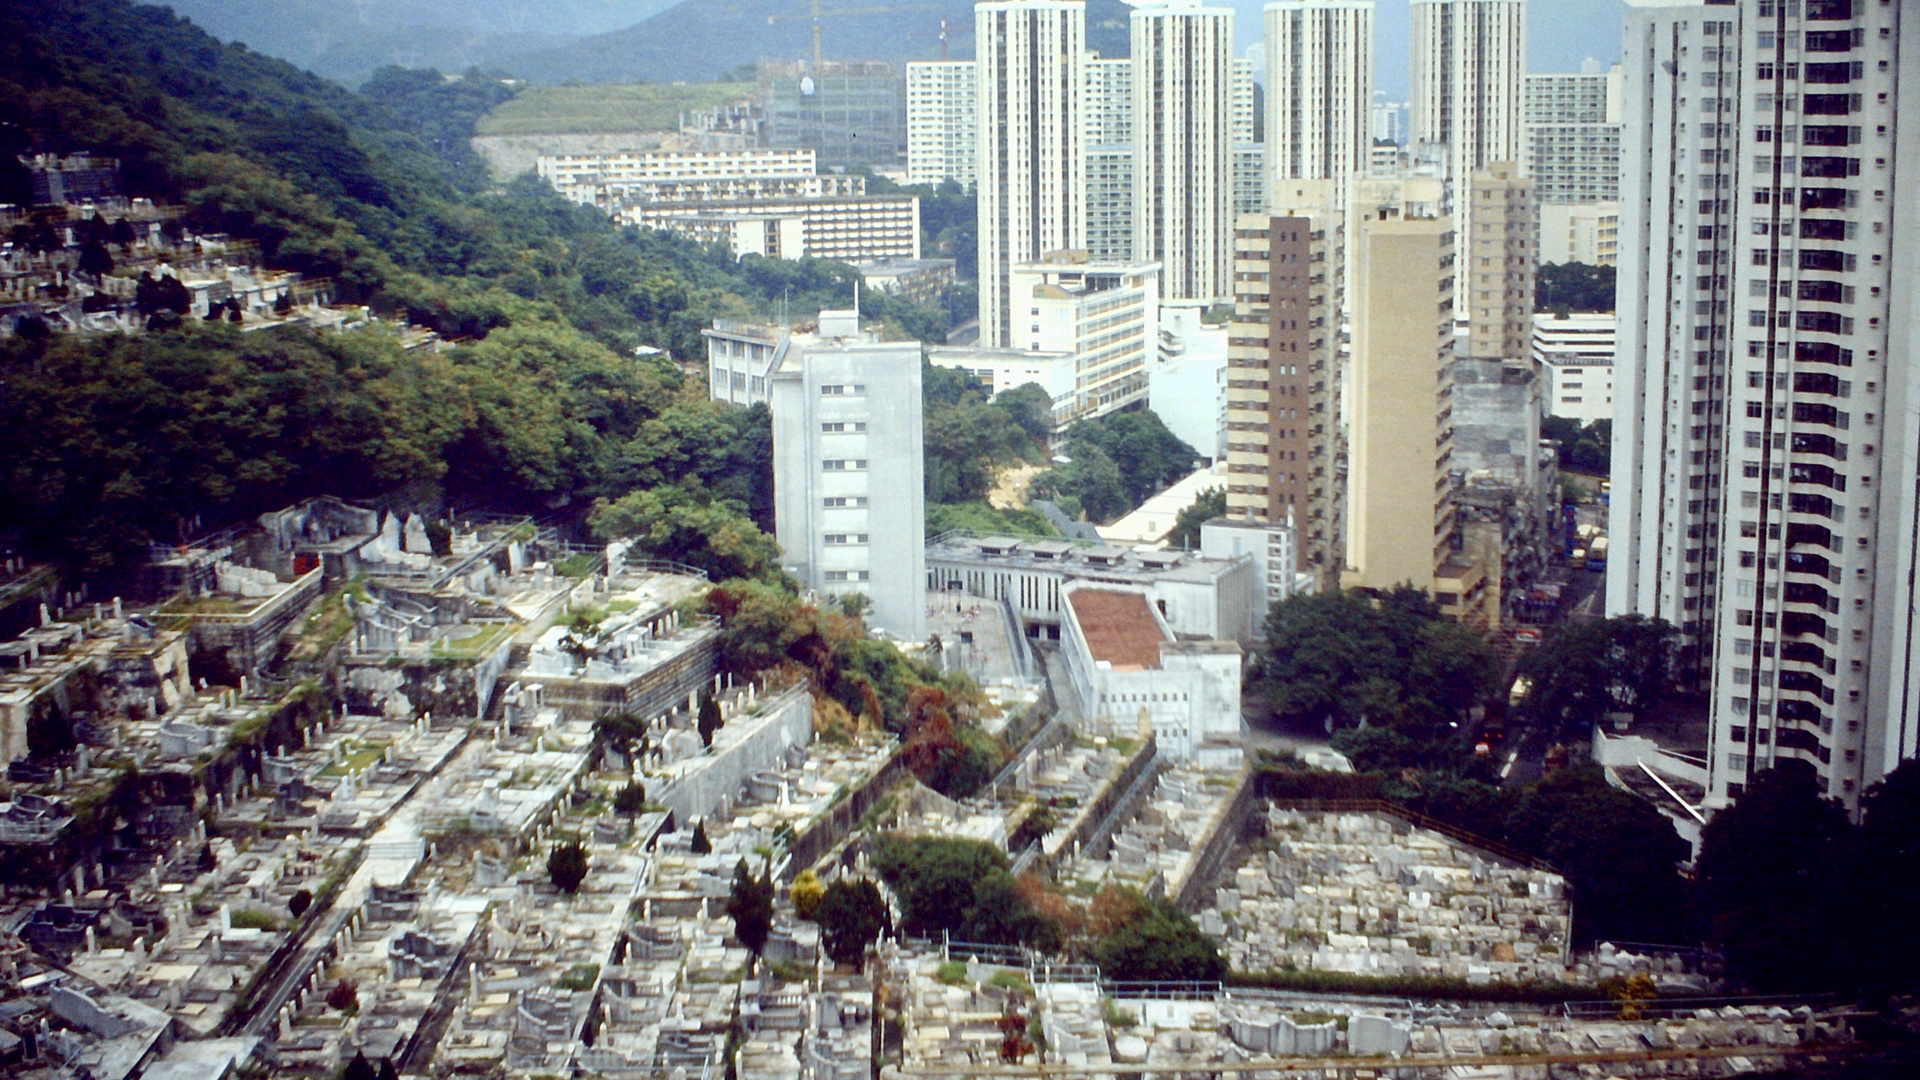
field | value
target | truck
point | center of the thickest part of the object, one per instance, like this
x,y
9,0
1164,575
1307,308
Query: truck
x,y
1597,554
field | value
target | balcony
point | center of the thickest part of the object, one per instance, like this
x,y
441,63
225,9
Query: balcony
x,y
1799,562
1801,624
1804,652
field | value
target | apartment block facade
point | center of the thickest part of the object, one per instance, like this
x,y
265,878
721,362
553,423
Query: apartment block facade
x,y
1769,422
1319,90
1573,137
1183,103
1284,452
1031,58
942,138
1500,264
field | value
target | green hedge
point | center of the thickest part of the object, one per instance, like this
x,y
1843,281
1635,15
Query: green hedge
x,y
1426,987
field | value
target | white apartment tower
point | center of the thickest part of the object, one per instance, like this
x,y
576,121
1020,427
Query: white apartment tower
x,y
1030,57
1319,90
1469,86
941,134
847,469
1767,437
1106,109
1183,146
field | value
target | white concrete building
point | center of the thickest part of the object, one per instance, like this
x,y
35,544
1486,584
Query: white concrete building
x,y
1196,595
849,506
1319,90
1187,386
1031,56
942,132
603,179
1580,232
1108,142
1086,331
1183,140
1573,137
1768,429
1274,548
1123,663
740,357
847,228
1575,355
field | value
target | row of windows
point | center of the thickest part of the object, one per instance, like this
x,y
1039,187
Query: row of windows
x,y
835,502
839,539
846,575
844,464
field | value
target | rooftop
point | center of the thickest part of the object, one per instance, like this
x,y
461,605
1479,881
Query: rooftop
x,y
1119,627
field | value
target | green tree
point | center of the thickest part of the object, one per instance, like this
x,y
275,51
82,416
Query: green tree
x,y
852,915
1207,505
1889,877
567,866
631,799
934,879
387,1071
1031,408
1157,942
345,997
95,260
1090,477
359,1068
805,893
709,720
674,524
1585,669
298,904
1148,456
700,845
1573,287
1773,873
1620,855
751,907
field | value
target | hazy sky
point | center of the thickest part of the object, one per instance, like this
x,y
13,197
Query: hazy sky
x,y
1560,34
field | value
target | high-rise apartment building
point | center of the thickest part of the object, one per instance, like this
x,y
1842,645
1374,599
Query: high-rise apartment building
x,y
847,461
1031,59
1319,90
1500,264
1107,109
1249,153
1242,115
1402,525
941,132
1469,83
851,112
1769,410
1573,137
1283,372
1183,145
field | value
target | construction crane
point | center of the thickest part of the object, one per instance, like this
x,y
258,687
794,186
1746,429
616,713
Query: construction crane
x,y
816,15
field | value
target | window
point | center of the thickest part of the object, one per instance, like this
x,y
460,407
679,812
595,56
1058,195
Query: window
x,y
837,427
843,464
839,501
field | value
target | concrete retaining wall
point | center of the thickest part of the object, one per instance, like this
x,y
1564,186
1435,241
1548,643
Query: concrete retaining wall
x,y
760,744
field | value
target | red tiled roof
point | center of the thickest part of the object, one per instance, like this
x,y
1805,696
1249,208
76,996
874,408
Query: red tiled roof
x,y
1119,627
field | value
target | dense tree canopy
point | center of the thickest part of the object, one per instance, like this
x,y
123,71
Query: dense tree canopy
x,y
1587,449
1587,668
1391,659
1116,462
1565,287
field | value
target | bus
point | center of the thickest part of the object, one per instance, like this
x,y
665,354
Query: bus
x,y
1597,554
1578,560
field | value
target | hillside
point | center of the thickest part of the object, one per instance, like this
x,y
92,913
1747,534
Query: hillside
x,y
589,110
348,42
705,40
536,406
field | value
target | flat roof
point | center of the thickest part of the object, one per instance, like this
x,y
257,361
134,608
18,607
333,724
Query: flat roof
x,y
1119,627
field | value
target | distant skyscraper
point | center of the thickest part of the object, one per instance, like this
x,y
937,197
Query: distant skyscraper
x,y
1499,268
1573,137
1183,145
1107,109
1319,90
1469,86
1030,57
1767,436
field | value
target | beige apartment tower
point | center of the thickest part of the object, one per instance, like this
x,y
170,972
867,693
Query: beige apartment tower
x,y
1183,105
1500,264
1402,528
1319,91
1283,374
1029,58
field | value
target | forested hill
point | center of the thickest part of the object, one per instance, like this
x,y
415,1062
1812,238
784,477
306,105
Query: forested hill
x,y
114,443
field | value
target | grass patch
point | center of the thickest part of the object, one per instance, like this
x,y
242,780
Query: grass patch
x,y
1011,980
791,971
1120,1018
577,566
590,110
953,972
475,645
255,919
355,761
579,977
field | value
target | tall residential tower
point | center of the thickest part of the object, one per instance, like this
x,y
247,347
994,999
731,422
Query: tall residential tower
x,y
1029,58
1183,145
1319,90
1769,404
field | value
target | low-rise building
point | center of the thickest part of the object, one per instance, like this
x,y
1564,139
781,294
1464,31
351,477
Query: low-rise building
x,y
1581,233
1198,596
1087,331
1575,354
921,281
1124,662
849,228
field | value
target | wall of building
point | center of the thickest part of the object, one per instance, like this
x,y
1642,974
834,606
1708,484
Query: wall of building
x,y
761,743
